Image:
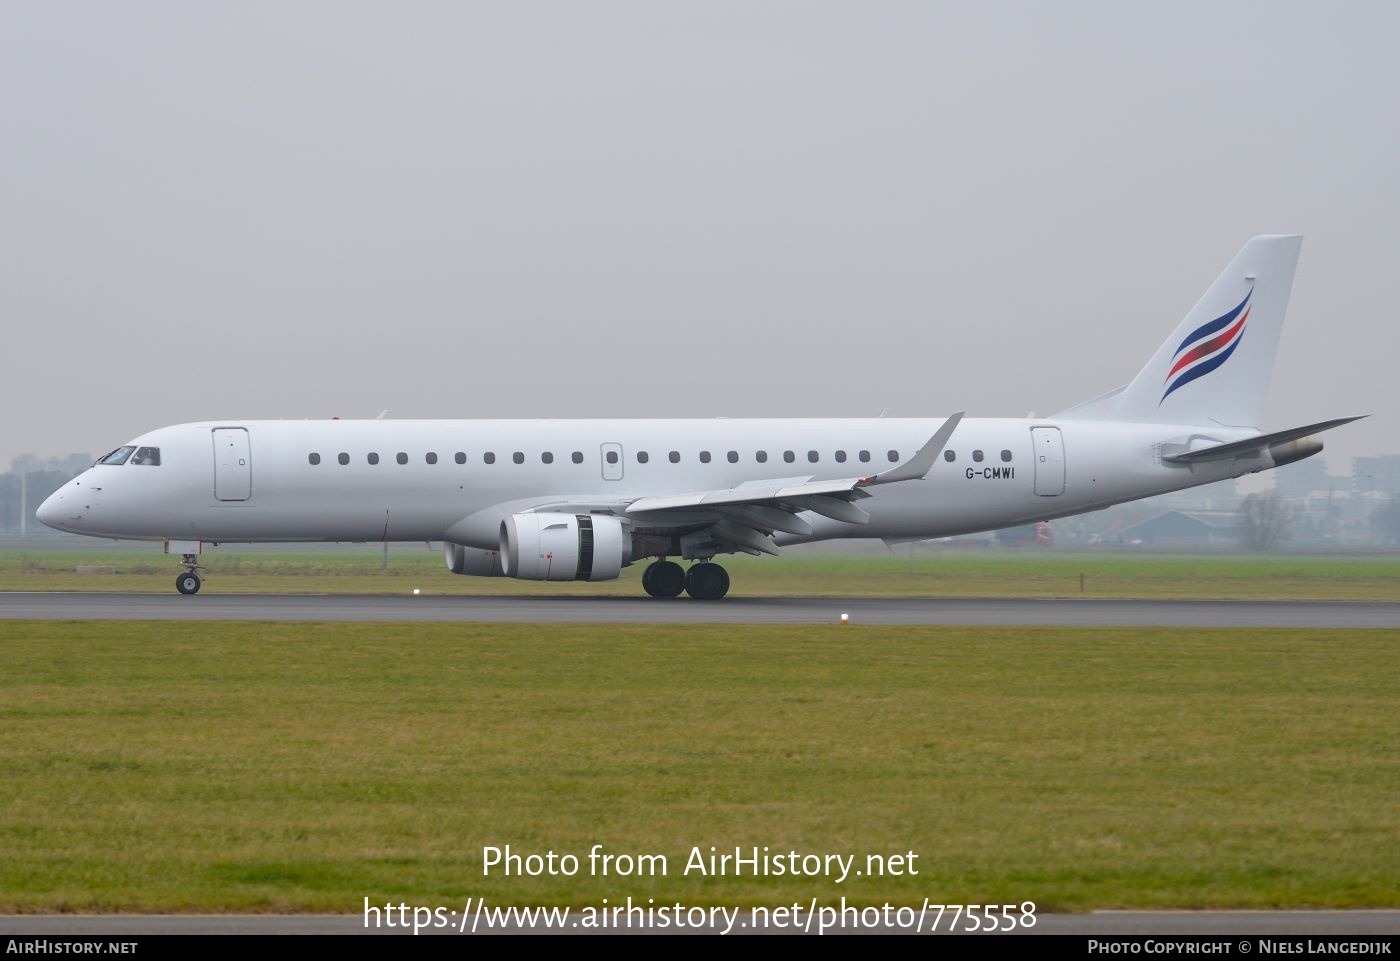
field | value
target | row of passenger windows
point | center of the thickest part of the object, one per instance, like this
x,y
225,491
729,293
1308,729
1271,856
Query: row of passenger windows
x,y
612,457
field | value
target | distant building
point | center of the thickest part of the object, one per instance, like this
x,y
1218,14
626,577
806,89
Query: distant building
x,y
1295,482
1220,496
1187,529
1379,474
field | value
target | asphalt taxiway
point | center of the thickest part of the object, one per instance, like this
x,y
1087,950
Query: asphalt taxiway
x,y
731,610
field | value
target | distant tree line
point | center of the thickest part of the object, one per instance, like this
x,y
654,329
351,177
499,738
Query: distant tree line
x,y
29,480
1265,521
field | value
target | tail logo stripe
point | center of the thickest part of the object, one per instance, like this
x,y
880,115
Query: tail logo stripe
x,y
1210,346
1207,347
1219,323
1205,368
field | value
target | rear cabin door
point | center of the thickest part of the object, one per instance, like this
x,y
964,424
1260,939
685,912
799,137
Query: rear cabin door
x,y
1049,449
233,464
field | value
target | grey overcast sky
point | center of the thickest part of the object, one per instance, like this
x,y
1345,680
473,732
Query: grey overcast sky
x,y
297,209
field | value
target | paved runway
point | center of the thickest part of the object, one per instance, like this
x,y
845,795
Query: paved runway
x,y
733,610
1359,924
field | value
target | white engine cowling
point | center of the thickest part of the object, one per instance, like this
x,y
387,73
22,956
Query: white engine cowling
x,y
472,560
564,547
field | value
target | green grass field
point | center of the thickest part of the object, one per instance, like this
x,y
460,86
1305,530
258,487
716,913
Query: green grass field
x,y
268,767
942,574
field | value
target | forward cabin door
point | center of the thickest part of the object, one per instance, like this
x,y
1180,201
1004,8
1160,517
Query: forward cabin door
x,y
1049,449
233,464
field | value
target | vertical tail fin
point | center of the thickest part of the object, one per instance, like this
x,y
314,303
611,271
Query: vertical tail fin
x,y
1214,369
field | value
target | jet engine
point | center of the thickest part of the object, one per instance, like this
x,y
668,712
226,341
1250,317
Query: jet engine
x,y
564,547
1294,450
472,560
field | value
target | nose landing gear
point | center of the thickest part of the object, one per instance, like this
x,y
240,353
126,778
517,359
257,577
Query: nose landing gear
x,y
189,582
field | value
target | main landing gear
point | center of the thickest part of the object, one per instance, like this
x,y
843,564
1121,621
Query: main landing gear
x,y
189,582
704,581
664,579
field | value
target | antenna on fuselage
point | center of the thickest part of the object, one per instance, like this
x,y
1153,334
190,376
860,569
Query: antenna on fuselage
x,y
382,414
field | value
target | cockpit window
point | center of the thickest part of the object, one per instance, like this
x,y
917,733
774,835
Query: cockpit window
x,y
117,457
147,456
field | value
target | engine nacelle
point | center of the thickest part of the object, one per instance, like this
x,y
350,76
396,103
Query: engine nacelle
x,y
1294,450
472,560
564,547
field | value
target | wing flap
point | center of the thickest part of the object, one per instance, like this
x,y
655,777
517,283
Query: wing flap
x,y
745,494
833,507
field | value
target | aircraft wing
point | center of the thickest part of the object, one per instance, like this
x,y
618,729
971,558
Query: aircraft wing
x,y
745,517
1253,446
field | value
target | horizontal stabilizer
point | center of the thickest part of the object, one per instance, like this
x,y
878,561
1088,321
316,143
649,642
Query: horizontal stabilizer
x,y
1254,445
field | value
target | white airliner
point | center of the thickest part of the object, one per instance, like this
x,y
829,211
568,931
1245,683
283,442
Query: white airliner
x,y
562,500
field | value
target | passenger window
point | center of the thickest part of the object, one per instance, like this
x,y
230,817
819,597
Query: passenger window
x,y
864,457
612,457
489,457
430,457
577,457
789,457
460,457
547,457
893,456
732,457
812,456
314,458
372,458
674,457
977,456
147,456
518,457
643,457
950,456
1006,456
704,457
343,458
761,456
840,457
401,457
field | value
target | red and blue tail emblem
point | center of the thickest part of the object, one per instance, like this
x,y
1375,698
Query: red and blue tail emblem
x,y
1207,347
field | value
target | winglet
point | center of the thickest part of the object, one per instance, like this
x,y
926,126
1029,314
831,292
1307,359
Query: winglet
x,y
922,462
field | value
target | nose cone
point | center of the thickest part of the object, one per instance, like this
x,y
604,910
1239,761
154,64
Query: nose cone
x,y
50,513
